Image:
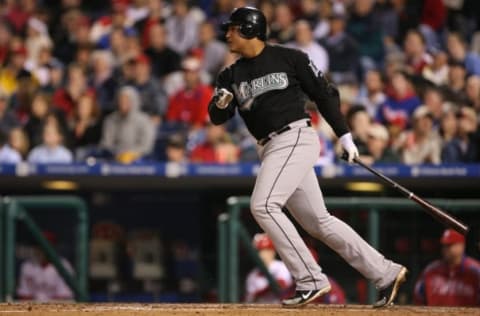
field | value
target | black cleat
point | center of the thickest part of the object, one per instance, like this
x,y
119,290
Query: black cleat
x,y
387,295
304,297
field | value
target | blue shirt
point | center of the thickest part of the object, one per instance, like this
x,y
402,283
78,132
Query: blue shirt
x,y
44,154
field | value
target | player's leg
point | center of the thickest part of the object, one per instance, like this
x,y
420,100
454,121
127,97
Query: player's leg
x,y
307,206
284,165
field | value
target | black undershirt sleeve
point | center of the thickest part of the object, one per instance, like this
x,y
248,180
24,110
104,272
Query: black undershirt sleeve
x,y
220,116
322,92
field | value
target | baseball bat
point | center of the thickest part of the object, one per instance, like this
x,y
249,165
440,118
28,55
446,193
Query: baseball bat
x,y
437,213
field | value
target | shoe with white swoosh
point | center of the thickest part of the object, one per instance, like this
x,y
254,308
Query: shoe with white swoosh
x,y
304,297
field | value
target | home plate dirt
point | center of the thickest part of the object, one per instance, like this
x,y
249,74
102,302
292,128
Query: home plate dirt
x,y
32,309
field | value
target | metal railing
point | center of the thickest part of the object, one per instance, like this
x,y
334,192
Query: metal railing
x,y
231,230
13,209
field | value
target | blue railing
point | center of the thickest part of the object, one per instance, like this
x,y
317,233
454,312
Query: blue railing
x,y
238,170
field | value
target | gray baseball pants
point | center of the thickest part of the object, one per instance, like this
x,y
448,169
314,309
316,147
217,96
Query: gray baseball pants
x,y
286,178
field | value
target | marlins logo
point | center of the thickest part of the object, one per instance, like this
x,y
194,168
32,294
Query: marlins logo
x,y
247,91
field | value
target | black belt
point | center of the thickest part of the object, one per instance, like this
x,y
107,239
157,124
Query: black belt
x,y
265,140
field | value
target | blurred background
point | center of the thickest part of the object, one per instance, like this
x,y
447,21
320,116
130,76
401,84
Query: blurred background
x,y
107,100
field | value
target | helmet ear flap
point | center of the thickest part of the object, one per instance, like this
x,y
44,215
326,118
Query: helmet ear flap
x,y
247,30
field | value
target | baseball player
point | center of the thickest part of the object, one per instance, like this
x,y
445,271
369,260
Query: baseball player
x,y
452,281
257,288
268,85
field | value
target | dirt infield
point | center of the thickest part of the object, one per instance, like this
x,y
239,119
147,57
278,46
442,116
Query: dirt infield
x,y
21,309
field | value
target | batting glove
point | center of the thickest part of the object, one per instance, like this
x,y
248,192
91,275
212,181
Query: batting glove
x,y
349,147
224,97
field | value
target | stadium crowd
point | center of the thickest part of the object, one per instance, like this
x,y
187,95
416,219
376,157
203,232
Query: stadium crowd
x,y
130,80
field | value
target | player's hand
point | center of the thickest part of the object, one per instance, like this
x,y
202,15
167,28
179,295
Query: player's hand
x,y
349,147
223,98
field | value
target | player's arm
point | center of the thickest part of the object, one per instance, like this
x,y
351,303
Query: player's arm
x,y
327,98
222,105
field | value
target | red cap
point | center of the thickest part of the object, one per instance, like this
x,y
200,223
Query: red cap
x,y
451,236
262,241
142,59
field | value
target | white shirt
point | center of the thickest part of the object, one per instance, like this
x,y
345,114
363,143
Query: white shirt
x,y
9,155
317,54
43,283
257,284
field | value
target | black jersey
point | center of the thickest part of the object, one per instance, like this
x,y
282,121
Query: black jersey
x,y
270,90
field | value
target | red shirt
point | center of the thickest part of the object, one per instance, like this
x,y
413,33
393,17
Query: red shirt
x,y
440,285
204,153
190,106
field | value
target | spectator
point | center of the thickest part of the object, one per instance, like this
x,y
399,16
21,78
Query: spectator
x,y
86,126
15,64
437,71
321,28
7,153
51,150
103,79
364,27
342,50
39,279
128,133
212,51
7,117
371,95
416,52
432,21
118,46
164,60
175,150
155,15
118,18
257,287
463,147
66,98
457,81
359,122
40,109
153,98
189,105
451,281
182,27
448,124
472,90
304,41
457,48
22,98
434,101
282,28
377,147
217,147
422,144
395,113
18,140
37,39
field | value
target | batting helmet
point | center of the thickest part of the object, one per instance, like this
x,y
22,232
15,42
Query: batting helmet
x,y
251,21
262,241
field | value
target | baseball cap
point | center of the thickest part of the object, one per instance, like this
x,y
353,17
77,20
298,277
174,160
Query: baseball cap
x,y
451,237
421,111
191,64
262,241
378,131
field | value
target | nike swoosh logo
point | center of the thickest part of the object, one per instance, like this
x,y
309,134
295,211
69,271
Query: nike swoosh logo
x,y
305,296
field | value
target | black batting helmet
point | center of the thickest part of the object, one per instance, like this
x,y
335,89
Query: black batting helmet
x,y
251,21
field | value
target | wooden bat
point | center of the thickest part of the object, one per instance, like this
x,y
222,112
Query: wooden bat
x,y
439,214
